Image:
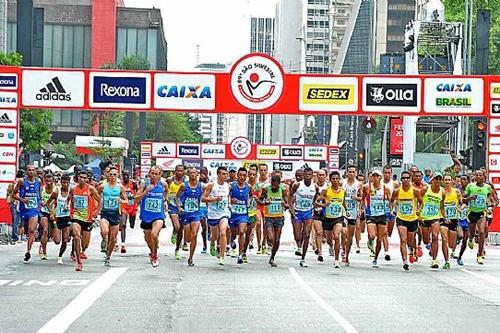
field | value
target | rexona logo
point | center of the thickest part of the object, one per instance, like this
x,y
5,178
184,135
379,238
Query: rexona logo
x,y
53,91
120,89
391,95
188,150
257,81
8,81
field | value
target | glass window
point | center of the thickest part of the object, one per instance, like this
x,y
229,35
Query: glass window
x,y
78,46
67,46
152,46
142,42
131,41
57,46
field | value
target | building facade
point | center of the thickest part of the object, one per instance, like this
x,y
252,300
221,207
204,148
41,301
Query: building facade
x,y
76,34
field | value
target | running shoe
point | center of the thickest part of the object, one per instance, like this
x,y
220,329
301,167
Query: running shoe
x,y
419,251
347,263
330,251
250,246
387,257
264,249
234,254
204,250
406,267
316,251
460,262
412,259
123,249
27,257
298,252
72,257
358,250
116,248
453,255
59,261
370,245
221,261
213,250
173,238
446,265
428,246
259,251
40,249
79,267
178,255
83,255
471,244
268,250
190,263
374,263
107,261
320,258
434,264
480,260
303,263
184,247
271,262
336,264
245,259
104,246
155,262
233,245
44,257
239,261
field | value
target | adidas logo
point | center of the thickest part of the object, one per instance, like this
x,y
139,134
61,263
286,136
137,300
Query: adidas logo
x,y
53,91
4,119
164,150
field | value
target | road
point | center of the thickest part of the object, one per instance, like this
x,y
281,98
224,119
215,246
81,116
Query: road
x,y
131,296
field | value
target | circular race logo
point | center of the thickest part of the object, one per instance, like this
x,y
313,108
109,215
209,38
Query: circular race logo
x,y
257,81
241,147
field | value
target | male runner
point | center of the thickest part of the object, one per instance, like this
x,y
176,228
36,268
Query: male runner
x,y
152,194
275,200
416,176
477,195
352,189
302,197
255,194
319,216
63,219
432,210
239,194
203,209
375,195
174,183
113,195
47,219
28,192
407,199
449,224
297,234
262,182
188,204
129,210
216,195
333,199
391,184
463,231
82,200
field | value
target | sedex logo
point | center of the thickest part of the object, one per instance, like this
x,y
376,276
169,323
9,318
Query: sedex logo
x,y
53,91
391,95
121,90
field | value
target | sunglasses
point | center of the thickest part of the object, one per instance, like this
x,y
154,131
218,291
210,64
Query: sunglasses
x,y
405,177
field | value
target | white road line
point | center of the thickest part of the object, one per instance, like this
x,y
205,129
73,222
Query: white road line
x,y
82,302
331,311
483,276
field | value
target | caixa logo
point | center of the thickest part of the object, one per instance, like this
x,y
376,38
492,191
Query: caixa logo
x,y
113,90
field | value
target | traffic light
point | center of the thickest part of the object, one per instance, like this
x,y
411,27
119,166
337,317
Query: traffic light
x,y
369,125
361,159
466,157
479,144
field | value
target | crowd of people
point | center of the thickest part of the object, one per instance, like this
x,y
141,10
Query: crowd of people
x,y
237,208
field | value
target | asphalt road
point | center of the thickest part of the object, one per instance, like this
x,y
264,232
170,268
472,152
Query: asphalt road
x,y
131,296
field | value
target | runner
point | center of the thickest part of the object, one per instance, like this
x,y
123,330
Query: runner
x,y
302,197
47,219
297,227
239,195
361,226
333,199
463,230
216,195
319,216
477,195
407,199
174,183
416,177
28,192
274,199
432,211
152,195
62,214
255,194
129,210
391,184
204,209
262,182
352,189
452,204
375,195
82,200
188,204
113,196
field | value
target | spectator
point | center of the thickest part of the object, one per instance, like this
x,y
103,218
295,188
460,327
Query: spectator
x,y
427,176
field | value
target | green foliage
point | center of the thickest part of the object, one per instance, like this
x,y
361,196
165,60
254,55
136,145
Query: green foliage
x,y
35,131
11,59
68,149
175,127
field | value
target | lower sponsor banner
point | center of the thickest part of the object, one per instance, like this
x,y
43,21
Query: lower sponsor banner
x,y
8,136
188,150
283,166
292,153
213,151
494,145
494,162
8,154
189,163
145,161
161,149
494,126
168,163
7,172
316,153
495,179
268,152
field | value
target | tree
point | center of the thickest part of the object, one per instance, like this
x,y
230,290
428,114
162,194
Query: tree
x,y
68,149
173,127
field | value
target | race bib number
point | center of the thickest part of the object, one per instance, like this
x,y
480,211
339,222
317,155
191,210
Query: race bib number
x,y
406,208
350,204
153,205
463,214
220,205
377,207
334,210
32,203
80,201
430,210
480,201
451,211
304,204
275,208
238,209
130,199
191,205
110,203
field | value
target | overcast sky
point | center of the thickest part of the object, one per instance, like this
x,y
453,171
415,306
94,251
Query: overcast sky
x,y
220,27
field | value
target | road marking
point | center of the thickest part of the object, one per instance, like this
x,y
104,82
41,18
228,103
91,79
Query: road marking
x,y
327,307
82,302
483,276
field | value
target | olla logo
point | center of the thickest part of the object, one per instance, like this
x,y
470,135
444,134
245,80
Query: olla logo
x,y
241,147
257,81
